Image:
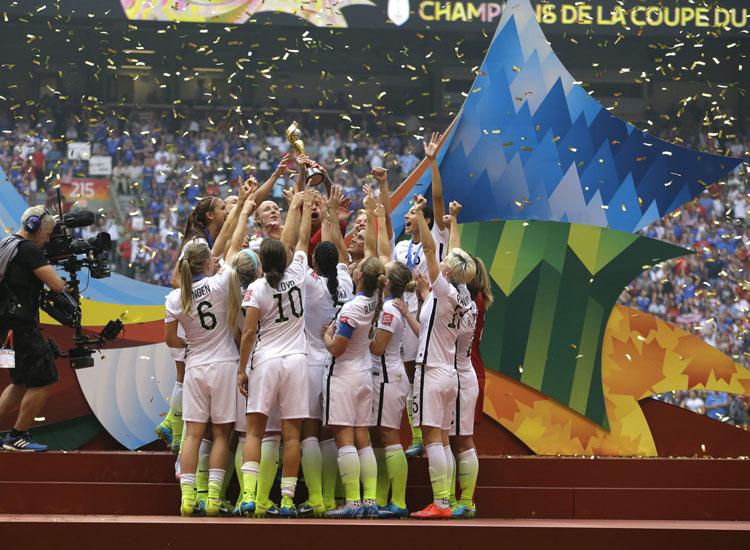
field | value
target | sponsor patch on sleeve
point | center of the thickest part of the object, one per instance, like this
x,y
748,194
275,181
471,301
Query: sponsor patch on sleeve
x,y
387,319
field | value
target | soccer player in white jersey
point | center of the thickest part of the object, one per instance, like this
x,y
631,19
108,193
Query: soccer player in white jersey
x,y
435,380
465,461
411,252
328,286
347,404
276,375
390,383
207,306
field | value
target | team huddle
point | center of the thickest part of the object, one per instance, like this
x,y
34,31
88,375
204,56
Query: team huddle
x,y
302,349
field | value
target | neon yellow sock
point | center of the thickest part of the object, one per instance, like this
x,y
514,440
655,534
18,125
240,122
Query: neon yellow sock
x,y
269,465
249,480
381,494
368,473
398,471
468,469
201,475
349,467
187,489
312,469
238,468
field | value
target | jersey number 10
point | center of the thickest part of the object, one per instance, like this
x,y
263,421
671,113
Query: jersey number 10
x,y
297,309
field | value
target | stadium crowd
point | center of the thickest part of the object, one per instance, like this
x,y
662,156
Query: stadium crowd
x,y
162,165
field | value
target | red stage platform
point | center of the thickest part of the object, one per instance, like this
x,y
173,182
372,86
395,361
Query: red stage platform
x,y
120,499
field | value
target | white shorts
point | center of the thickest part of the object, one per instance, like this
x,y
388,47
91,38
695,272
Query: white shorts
x,y
209,393
466,401
178,354
279,383
409,344
389,399
435,391
348,399
316,377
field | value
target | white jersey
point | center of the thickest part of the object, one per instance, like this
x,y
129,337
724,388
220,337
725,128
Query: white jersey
x,y
320,310
438,323
355,319
466,327
411,254
281,320
196,240
392,321
209,339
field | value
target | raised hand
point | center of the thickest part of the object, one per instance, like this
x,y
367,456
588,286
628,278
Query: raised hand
x,y
369,202
288,193
454,208
334,199
431,147
400,306
419,202
423,286
380,211
380,174
447,220
283,168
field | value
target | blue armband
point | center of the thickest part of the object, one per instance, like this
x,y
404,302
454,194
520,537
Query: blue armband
x,y
345,330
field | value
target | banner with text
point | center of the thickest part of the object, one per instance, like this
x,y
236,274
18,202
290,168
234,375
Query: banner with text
x,y
729,17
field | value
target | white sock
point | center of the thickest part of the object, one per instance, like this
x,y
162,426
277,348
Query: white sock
x,y
205,448
438,468
368,473
216,475
250,467
288,486
187,479
450,463
176,400
349,468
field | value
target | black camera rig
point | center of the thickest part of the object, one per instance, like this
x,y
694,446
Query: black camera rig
x,y
72,255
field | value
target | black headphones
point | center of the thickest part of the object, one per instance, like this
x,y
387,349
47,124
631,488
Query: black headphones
x,y
33,223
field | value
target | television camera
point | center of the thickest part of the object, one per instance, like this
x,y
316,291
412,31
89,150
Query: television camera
x,y
72,255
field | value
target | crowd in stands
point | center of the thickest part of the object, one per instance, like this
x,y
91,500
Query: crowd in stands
x,y
162,165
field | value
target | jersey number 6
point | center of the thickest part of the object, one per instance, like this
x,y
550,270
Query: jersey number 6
x,y
208,319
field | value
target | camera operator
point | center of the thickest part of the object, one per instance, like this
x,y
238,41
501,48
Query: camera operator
x,y
26,271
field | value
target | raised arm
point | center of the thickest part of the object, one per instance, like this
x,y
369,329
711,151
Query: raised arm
x,y
335,236
302,163
371,235
227,230
384,198
428,242
430,151
384,245
240,230
261,194
304,231
454,240
290,231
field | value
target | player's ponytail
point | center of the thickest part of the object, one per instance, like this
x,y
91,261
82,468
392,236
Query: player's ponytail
x,y
326,259
197,222
273,260
373,282
400,279
193,263
243,271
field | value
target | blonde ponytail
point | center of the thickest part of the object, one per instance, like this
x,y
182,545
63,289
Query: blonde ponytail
x,y
195,256
233,298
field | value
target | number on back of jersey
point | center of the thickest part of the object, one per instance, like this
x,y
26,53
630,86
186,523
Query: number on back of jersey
x,y
294,300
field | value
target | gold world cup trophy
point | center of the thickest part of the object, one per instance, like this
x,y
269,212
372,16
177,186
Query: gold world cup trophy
x,y
313,175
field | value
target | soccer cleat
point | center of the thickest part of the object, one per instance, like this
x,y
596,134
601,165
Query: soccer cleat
x,y
164,432
246,509
370,511
464,511
216,507
287,508
346,510
23,443
414,450
176,435
267,510
392,512
433,512
192,509
308,509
